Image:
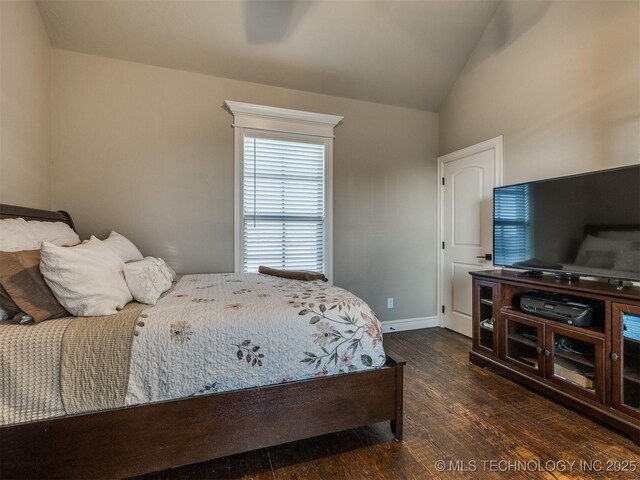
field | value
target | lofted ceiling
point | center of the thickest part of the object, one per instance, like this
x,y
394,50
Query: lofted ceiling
x,y
398,52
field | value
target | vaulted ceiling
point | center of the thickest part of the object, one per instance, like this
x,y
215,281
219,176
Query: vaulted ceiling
x,y
398,52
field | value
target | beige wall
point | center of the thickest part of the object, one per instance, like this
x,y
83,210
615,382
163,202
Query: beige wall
x,y
25,111
148,151
561,82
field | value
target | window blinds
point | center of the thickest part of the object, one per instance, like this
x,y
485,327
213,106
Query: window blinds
x,y
283,203
512,212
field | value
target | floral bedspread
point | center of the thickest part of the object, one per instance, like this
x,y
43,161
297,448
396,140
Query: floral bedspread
x,y
219,332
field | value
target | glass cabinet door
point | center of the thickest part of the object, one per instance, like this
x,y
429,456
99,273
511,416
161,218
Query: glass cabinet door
x,y
575,360
524,343
485,323
625,359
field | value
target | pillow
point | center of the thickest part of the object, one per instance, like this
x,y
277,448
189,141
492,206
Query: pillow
x,y
627,261
121,246
21,278
15,235
628,235
86,279
598,248
170,271
6,302
58,233
147,279
12,316
21,318
4,315
597,259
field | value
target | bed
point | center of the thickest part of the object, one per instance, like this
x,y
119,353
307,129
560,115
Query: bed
x,y
151,430
607,251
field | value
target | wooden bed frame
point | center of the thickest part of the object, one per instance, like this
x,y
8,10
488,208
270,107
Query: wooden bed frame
x,y
147,438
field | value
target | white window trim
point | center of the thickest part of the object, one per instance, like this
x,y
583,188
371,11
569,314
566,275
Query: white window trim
x,y
247,117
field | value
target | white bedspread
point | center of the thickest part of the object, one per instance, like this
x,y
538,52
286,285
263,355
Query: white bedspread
x,y
218,332
210,333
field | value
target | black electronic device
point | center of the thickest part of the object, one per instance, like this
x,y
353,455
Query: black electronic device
x,y
557,307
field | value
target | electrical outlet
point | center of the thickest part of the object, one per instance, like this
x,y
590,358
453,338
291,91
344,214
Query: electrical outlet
x,y
390,302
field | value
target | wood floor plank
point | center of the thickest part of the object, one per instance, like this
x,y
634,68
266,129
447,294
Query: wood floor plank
x,y
454,412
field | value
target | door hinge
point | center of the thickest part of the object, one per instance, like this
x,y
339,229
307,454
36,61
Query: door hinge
x,y
442,308
442,180
443,245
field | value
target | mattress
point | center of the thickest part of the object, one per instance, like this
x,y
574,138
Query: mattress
x,y
211,333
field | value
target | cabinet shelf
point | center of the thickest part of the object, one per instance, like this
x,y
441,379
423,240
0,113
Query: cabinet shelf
x,y
632,340
632,377
528,361
586,360
580,377
517,337
485,324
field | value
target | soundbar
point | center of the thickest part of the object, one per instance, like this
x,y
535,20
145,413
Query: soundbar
x,y
557,307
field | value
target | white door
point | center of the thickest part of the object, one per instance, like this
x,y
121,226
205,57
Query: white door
x,y
466,226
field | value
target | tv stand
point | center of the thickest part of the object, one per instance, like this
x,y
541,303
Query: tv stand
x,y
594,369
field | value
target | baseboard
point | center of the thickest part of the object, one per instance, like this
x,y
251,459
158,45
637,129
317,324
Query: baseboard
x,y
409,324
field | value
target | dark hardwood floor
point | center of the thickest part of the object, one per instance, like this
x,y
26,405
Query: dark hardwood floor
x,y
454,412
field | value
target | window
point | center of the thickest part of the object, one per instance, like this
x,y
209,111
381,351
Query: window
x,y
283,203
283,188
512,213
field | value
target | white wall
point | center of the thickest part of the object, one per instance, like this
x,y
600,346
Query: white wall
x,y
25,106
560,80
148,151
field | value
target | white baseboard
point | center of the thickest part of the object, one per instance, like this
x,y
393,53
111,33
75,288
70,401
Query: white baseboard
x,y
409,324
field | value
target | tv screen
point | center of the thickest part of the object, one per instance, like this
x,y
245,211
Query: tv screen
x,y
585,225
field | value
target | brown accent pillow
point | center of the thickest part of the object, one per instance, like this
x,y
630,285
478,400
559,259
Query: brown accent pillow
x,y
21,278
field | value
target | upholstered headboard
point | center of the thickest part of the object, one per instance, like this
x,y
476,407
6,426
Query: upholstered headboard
x,y
596,229
13,211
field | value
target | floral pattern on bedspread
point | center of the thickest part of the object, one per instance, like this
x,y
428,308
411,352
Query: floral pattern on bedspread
x,y
220,332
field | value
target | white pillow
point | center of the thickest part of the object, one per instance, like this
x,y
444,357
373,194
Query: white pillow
x,y
86,279
600,252
147,279
58,233
627,261
121,246
15,236
170,271
630,235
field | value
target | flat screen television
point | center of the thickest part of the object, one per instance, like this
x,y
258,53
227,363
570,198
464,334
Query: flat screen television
x,y
581,225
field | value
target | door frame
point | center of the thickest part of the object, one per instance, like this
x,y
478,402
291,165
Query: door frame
x,y
494,143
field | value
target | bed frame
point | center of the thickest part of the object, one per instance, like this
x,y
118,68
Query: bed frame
x,y
147,438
